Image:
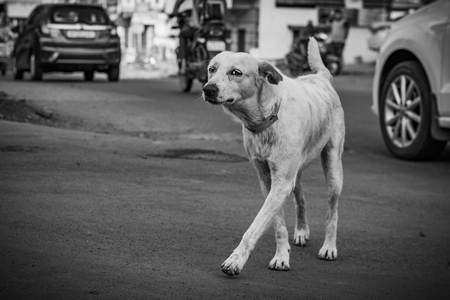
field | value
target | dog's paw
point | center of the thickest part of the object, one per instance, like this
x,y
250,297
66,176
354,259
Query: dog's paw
x,y
301,236
233,265
280,262
328,252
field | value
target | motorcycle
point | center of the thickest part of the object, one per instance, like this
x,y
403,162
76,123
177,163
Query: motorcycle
x,y
297,61
208,41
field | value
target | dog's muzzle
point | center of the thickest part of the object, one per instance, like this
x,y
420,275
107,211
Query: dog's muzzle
x,y
210,92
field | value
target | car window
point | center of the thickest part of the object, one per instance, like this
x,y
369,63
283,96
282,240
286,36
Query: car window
x,y
73,15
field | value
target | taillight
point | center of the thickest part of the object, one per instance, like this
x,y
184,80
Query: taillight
x,y
45,29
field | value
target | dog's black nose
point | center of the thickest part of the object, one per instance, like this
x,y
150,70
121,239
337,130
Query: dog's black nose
x,y
210,90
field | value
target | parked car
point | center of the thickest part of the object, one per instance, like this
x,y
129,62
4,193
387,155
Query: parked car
x,y
411,87
68,38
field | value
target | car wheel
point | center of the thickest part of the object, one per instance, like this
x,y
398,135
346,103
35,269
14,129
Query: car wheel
x,y
17,74
35,68
405,113
113,74
89,75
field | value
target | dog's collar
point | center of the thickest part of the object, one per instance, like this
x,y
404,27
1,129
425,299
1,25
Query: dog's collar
x,y
272,118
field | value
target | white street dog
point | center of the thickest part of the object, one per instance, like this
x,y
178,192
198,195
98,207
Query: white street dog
x,y
286,123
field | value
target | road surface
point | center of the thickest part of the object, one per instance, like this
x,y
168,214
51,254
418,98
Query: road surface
x,y
131,201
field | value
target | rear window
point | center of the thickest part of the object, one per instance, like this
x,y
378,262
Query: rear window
x,y
73,15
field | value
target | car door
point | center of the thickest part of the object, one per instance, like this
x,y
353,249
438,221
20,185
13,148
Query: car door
x,y
25,40
444,93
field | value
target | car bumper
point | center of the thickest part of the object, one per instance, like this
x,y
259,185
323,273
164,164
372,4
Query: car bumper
x,y
376,85
99,57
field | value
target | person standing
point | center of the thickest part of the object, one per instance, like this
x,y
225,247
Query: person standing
x,y
339,32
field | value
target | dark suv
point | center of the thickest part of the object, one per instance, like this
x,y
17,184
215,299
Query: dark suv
x,y
67,38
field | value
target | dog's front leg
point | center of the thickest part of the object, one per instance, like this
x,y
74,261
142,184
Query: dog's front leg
x,y
281,187
281,259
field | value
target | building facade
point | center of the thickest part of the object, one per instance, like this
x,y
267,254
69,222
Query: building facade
x,y
144,29
243,21
264,28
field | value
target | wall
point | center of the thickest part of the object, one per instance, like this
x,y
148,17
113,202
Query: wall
x,y
357,46
275,38
243,19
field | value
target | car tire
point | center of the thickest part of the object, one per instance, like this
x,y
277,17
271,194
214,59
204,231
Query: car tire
x,y
405,113
88,75
17,74
113,74
35,67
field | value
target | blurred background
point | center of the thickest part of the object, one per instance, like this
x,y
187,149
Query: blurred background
x,y
265,29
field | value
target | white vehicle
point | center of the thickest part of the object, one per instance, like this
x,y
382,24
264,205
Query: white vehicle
x,y
411,87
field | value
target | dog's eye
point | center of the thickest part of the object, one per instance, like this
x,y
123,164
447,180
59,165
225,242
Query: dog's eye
x,y
211,69
236,73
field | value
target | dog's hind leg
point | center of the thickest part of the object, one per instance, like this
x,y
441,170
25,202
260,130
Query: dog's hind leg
x,y
301,233
332,168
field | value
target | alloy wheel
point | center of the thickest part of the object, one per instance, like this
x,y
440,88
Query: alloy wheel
x,y
403,111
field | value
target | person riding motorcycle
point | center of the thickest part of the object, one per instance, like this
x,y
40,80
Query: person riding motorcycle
x,y
187,12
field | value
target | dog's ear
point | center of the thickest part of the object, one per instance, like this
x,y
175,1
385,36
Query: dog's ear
x,y
268,71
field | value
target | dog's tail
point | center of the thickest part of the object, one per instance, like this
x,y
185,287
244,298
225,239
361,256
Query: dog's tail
x,y
315,61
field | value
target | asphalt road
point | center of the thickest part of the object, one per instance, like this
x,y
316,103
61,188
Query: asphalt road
x,y
111,211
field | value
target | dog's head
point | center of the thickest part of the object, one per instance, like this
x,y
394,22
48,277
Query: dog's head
x,y
233,77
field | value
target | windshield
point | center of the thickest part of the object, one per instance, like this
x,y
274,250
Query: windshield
x,y
73,15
